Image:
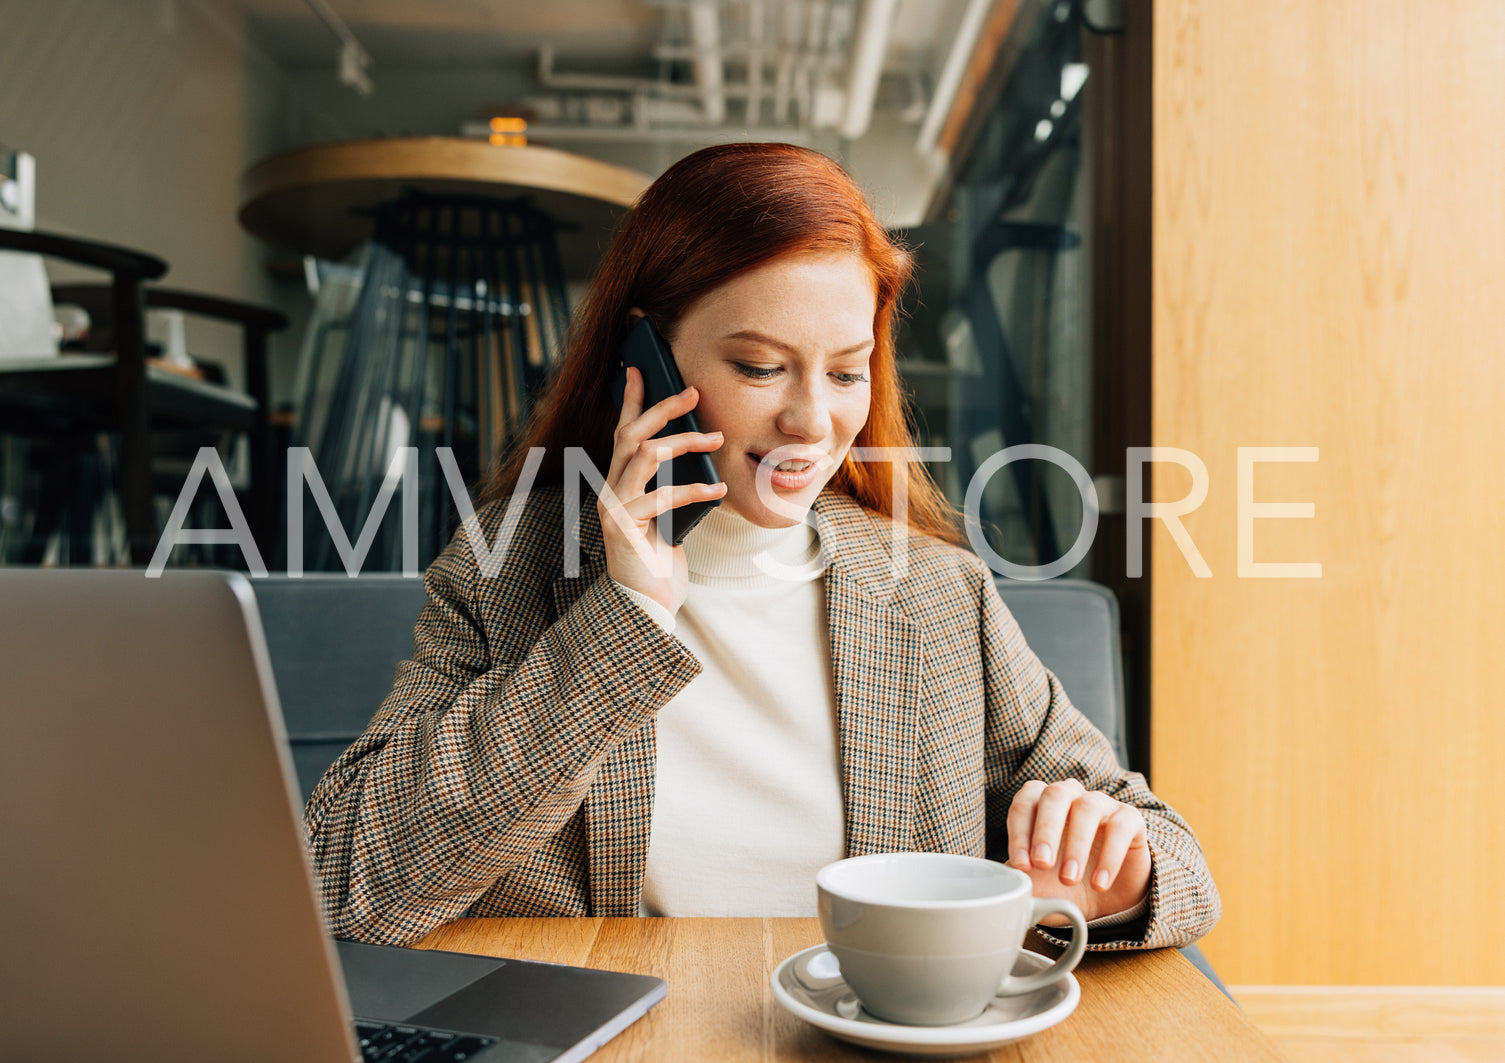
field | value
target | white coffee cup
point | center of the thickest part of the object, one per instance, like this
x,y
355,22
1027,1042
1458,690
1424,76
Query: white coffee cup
x,y
928,939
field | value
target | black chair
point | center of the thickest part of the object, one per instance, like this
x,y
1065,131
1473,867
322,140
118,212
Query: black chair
x,y
1072,625
334,642
114,387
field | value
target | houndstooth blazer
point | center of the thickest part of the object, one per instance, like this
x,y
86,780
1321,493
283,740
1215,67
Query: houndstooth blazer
x,y
510,770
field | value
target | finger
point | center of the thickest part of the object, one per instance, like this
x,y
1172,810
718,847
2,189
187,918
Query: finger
x,y
1050,820
1120,832
632,397
1083,823
652,453
644,424
1021,822
621,526
651,421
654,503
632,408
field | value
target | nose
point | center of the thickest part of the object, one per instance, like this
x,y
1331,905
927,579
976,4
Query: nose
x,y
804,413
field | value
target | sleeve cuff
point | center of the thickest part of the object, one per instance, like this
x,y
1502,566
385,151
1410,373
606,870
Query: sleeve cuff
x,y
1139,911
1120,930
656,612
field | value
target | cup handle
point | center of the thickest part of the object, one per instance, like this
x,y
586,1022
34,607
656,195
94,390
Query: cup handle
x,y
1013,987
817,969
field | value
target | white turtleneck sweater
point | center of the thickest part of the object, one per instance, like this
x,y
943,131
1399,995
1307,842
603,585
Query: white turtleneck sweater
x,y
747,792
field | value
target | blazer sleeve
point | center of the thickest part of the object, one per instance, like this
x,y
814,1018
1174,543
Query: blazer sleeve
x,y
1034,732
488,742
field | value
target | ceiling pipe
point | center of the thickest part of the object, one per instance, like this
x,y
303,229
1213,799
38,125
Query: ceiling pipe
x,y
814,38
755,32
621,85
705,35
788,37
353,58
550,131
869,45
710,87
550,78
951,75
635,87
807,71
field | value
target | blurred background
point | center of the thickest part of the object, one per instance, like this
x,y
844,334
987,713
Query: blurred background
x,y
978,130
1194,225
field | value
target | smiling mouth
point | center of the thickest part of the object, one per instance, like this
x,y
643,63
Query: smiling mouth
x,y
791,474
786,466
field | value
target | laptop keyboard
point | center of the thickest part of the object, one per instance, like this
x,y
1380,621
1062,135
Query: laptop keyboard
x,y
389,1043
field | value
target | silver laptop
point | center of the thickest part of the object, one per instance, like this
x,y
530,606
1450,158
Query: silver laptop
x,y
156,902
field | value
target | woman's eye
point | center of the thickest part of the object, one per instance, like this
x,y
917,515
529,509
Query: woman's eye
x,y
756,372
851,378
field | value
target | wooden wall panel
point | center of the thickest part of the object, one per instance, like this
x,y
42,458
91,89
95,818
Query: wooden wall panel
x,y
1329,271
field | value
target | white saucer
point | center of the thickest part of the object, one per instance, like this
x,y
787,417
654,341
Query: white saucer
x,y
834,1008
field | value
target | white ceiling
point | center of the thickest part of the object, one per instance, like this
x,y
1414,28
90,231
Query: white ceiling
x,y
438,65
418,33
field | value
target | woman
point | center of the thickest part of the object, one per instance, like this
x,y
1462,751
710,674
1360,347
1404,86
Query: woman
x,y
808,677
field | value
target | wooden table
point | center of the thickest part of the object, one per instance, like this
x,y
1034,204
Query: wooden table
x,y
317,200
1149,1006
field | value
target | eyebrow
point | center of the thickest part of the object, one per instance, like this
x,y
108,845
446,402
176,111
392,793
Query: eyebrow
x,y
763,338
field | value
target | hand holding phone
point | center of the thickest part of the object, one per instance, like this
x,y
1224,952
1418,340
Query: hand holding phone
x,y
645,350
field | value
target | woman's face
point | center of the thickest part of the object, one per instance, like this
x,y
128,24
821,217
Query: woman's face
x,y
780,356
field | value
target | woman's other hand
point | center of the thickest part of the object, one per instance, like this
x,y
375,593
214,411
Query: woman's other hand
x,y
635,555
1079,844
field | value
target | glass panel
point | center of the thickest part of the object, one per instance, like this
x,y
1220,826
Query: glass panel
x,y
997,343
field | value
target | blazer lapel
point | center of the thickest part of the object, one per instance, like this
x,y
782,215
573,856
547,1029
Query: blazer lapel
x,y
876,658
619,803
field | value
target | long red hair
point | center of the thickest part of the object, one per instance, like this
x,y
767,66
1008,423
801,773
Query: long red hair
x,y
713,215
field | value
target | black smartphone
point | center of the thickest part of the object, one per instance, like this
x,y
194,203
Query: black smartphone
x,y
645,349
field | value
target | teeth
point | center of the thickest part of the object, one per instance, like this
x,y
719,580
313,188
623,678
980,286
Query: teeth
x,y
793,466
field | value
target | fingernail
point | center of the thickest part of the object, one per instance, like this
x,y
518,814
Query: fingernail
x,y
1069,872
1020,858
1100,880
1042,854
